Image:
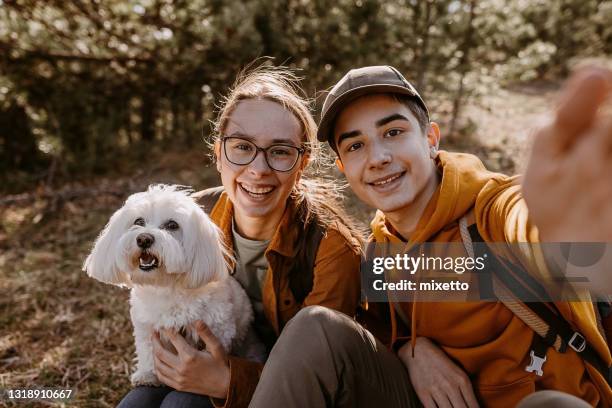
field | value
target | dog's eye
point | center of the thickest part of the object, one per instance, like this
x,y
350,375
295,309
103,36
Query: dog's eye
x,y
171,225
140,222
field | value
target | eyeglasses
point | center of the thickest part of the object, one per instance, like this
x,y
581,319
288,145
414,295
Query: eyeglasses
x,y
280,157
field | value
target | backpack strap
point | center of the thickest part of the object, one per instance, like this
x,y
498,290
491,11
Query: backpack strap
x,y
208,198
604,318
301,275
551,328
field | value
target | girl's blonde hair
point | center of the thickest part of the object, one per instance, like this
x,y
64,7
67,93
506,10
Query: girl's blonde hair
x,y
318,198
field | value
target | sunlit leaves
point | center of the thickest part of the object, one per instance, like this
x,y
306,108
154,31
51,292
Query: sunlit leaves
x,y
80,64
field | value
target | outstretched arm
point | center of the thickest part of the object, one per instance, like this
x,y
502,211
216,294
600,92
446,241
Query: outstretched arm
x,y
568,182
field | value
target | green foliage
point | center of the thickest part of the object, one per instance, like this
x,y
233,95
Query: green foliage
x,y
83,82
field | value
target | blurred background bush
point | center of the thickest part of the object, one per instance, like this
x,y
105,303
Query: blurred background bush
x,y
83,83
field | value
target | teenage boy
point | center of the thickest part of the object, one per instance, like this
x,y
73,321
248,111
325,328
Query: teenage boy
x,y
455,354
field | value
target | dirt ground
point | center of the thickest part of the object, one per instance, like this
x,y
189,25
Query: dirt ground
x,y
59,328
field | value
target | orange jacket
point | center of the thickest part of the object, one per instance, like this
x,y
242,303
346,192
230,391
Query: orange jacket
x,y
488,341
335,284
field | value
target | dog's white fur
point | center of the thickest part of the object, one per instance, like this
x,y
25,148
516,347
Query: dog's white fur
x,y
191,282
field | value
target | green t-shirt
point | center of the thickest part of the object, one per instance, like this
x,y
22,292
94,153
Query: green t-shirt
x,y
250,271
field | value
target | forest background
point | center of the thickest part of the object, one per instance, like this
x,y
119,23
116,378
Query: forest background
x,y
100,98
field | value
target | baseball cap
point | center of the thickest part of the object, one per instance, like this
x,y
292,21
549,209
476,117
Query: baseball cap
x,y
359,82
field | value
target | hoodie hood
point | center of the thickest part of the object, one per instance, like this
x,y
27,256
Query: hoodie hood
x,y
463,178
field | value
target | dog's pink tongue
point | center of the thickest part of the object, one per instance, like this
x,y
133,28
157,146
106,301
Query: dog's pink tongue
x,y
146,257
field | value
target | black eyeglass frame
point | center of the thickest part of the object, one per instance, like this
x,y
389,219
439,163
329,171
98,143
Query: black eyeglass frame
x,y
258,149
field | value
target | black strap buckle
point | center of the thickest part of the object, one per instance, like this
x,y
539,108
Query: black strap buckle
x,y
577,342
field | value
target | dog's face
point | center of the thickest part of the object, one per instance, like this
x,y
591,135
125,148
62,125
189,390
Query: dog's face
x,y
160,237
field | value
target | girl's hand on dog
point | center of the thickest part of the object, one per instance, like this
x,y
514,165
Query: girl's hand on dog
x,y
204,372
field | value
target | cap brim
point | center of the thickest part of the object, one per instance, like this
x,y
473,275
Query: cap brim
x,y
324,133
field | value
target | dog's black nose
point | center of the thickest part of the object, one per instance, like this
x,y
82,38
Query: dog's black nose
x,y
144,240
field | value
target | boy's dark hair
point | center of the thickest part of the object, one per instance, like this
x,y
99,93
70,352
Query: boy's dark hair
x,y
415,108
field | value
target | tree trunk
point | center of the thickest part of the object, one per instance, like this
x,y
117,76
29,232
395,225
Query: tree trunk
x,y
423,53
464,63
147,117
18,148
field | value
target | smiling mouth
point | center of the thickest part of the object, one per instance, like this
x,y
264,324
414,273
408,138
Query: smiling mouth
x,y
387,180
147,261
254,191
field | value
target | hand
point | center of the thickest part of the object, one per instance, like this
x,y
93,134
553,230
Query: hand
x,y
437,381
568,182
203,372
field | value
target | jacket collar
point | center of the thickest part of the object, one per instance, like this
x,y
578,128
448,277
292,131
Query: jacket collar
x,y
284,240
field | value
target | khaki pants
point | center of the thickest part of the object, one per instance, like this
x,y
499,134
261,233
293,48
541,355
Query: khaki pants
x,y
325,359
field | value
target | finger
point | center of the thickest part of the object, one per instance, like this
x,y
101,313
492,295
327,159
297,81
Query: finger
x,y
582,97
468,395
427,401
466,391
455,398
159,343
182,347
167,379
167,375
163,370
441,400
213,345
162,366
160,352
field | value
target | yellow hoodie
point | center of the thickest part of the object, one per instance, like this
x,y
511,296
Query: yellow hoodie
x,y
485,338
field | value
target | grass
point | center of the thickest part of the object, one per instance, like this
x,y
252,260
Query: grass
x,y
59,328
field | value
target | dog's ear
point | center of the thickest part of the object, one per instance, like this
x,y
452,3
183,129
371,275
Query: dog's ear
x,y
101,263
204,244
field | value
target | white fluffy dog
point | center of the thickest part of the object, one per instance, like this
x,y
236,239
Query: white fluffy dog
x,y
164,247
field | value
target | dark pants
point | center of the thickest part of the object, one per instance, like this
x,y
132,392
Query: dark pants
x,y
324,358
163,397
